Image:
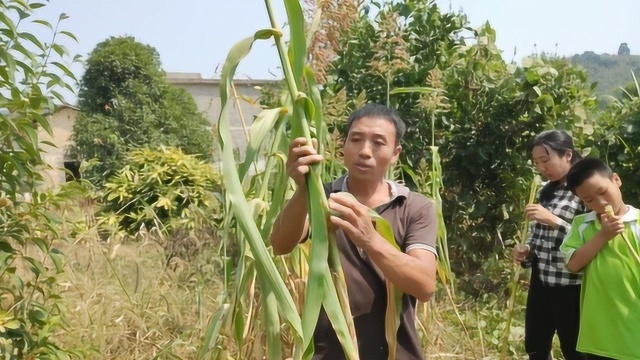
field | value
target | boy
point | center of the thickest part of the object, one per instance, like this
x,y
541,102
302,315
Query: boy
x,y
610,295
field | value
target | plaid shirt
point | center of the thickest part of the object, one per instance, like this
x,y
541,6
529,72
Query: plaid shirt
x,y
545,241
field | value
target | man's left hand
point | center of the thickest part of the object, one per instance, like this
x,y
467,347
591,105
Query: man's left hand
x,y
353,218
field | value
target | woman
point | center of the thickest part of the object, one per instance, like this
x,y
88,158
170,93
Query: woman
x,y
553,302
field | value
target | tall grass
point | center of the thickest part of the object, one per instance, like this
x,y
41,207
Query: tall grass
x,y
174,305
124,301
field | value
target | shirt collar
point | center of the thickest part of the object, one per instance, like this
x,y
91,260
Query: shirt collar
x,y
561,185
397,190
630,216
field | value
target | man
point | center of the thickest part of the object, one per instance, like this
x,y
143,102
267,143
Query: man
x,y
371,146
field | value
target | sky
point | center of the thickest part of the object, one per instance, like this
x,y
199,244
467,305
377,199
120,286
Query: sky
x,y
196,35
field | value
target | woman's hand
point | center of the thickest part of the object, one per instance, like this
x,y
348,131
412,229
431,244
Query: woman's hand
x,y
521,252
536,212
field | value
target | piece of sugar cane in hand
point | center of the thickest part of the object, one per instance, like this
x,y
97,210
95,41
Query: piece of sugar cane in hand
x,y
609,211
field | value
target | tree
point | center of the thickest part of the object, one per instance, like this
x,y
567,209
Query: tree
x,y
31,75
126,103
484,113
619,139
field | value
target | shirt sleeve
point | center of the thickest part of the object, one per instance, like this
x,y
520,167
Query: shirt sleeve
x,y
422,226
572,242
563,226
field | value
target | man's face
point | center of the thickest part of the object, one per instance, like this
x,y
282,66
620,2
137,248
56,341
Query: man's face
x,y
599,191
370,148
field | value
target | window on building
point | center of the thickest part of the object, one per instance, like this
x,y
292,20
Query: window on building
x,y
72,170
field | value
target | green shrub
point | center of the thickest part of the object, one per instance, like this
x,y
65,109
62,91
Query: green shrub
x,y
164,189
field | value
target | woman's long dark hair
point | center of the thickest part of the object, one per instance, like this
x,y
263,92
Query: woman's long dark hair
x,y
560,142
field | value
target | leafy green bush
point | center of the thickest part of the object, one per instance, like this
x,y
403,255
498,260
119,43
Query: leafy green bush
x,y
164,189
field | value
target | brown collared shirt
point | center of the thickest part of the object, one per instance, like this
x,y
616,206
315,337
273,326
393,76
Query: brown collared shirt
x,y
414,223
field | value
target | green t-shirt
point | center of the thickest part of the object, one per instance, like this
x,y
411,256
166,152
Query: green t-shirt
x,y
610,295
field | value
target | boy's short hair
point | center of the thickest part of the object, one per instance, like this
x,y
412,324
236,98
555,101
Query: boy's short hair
x,y
378,111
584,169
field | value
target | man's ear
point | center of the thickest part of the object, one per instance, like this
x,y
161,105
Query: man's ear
x,y
396,154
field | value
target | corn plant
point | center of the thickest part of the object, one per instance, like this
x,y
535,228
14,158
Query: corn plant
x,y
515,280
434,101
303,114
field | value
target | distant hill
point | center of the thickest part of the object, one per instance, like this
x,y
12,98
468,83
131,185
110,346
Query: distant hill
x,y
610,71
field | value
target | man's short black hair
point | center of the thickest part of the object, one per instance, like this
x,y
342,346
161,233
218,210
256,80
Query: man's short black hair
x,y
584,169
378,111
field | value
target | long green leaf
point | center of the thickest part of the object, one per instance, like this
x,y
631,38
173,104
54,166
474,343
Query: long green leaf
x,y
272,322
316,100
394,295
346,333
297,41
314,26
303,111
260,129
212,330
334,309
444,264
415,89
278,195
239,205
318,212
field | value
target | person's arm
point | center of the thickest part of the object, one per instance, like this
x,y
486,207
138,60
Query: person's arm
x,y
291,226
413,272
582,256
539,213
578,253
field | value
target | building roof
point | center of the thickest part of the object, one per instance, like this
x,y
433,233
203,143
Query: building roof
x,y
196,78
59,107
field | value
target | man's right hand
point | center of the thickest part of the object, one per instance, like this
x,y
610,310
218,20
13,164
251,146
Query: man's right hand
x,y
301,156
521,252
